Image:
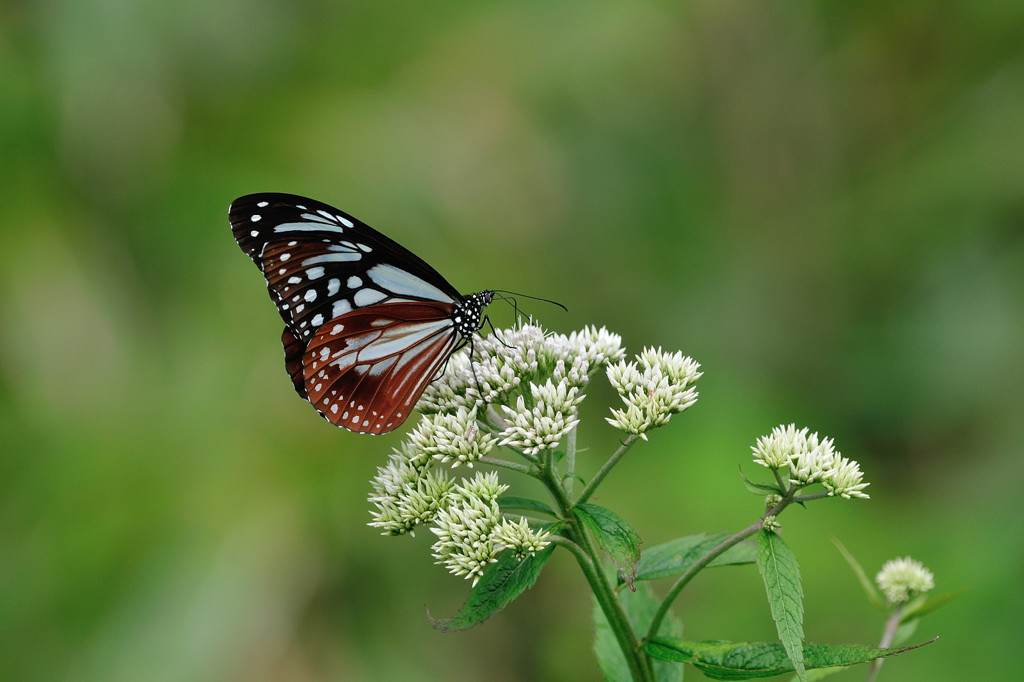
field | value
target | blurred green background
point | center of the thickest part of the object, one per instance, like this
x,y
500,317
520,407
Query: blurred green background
x,y
820,202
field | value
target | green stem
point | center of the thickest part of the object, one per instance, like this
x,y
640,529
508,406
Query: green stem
x,y
811,496
511,466
638,662
714,552
890,633
570,460
575,539
606,469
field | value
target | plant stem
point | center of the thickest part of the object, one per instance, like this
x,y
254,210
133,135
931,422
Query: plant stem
x,y
890,632
811,496
577,542
570,460
639,664
717,550
511,466
606,468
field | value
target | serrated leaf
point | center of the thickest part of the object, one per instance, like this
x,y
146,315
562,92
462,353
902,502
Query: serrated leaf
x,y
504,581
675,557
513,503
616,537
781,575
865,583
639,607
751,660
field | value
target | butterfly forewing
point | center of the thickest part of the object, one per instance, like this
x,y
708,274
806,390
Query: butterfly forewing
x,y
368,324
320,262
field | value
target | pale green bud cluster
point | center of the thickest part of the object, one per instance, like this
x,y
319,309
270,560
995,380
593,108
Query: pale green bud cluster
x,y
902,579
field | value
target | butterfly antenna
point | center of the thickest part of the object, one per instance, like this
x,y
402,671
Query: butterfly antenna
x,y
512,294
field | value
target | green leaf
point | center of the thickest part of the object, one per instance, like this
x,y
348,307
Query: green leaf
x,y
761,488
750,660
675,557
510,502
640,607
616,537
781,575
916,610
504,581
865,583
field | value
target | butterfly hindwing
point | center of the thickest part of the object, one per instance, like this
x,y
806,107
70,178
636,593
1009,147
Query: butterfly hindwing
x,y
366,370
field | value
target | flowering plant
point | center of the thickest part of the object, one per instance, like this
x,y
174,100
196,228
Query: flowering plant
x,y
519,396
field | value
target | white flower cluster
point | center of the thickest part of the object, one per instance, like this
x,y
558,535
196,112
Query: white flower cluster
x,y
540,427
810,460
452,437
519,538
471,532
507,362
543,376
533,378
654,388
406,492
901,579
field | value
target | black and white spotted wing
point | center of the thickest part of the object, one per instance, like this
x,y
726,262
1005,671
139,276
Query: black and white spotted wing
x,y
368,323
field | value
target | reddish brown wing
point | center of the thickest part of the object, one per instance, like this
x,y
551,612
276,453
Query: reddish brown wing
x,y
366,369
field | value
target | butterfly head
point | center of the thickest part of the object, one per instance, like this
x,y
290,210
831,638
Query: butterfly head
x,y
468,316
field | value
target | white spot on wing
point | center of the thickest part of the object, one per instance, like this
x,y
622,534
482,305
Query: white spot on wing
x,y
333,286
342,257
315,272
308,226
354,282
263,204
255,217
340,308
310,295
317,320
365,297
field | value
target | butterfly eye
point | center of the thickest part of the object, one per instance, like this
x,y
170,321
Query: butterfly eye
x,y
368,324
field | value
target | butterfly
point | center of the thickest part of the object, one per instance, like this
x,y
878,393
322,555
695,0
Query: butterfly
x,y
367,323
